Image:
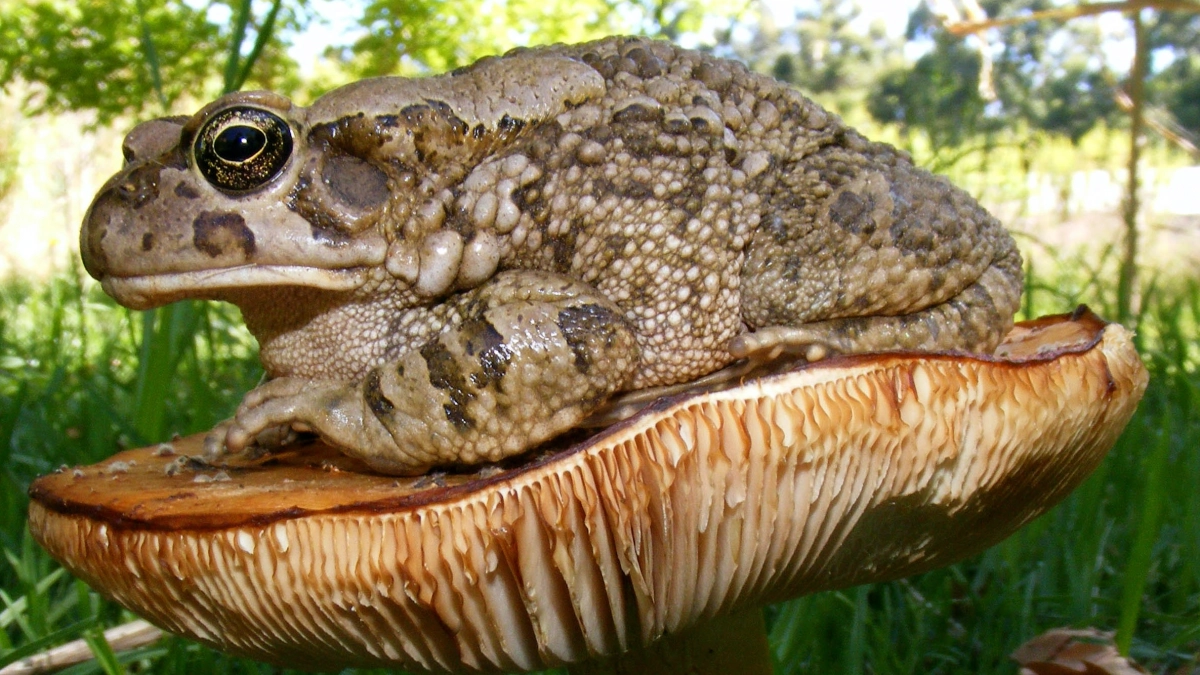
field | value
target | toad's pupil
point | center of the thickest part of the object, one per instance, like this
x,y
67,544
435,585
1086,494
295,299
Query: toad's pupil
x,y
239,143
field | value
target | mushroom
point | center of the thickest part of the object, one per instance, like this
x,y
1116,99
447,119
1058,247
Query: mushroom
x,y
645,547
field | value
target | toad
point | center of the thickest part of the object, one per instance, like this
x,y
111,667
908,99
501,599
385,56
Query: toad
x,y
451,270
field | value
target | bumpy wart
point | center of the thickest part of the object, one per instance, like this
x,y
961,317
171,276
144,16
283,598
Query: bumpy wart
x,y
453,269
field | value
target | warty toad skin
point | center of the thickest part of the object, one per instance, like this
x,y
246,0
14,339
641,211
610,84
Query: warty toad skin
x,y
451,270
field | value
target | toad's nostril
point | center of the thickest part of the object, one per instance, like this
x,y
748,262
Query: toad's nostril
x,y
137,188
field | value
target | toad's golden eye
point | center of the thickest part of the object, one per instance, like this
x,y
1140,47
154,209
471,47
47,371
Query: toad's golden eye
x,y
242,148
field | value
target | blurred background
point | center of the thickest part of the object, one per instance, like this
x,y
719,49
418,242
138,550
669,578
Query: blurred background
x,y
1076,123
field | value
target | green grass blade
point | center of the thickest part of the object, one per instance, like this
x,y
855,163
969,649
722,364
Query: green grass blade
x,y
856,648
233,59
103,651
1137,570
265,32
18,606
167,334
150,53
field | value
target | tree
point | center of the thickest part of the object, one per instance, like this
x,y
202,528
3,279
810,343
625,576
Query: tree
x,y
1041,76
1076,101
123,56
824,52
89,55
939,95
397,40
1052,76
1174,37
1142,14
1178,87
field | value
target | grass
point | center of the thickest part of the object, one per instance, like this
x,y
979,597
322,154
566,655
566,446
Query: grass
x,y
80,377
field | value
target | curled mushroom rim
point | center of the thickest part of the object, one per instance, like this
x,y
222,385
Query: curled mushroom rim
x,y
55,500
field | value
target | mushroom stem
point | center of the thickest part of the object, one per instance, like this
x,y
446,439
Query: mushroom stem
x,y
735,643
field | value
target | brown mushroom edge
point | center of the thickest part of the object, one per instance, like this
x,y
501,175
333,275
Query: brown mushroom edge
x,y
846,471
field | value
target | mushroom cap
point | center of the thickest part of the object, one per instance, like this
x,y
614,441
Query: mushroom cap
x,y
849,470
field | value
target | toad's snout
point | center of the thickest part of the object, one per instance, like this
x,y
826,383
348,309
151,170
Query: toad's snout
x,y
131,226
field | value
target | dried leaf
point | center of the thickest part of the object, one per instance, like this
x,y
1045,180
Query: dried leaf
x,y
1070,651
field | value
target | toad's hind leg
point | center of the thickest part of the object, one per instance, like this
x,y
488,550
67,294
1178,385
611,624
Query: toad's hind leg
x,y
522,359
878,256
971,321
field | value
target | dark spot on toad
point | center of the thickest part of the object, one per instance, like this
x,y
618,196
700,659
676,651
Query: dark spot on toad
x,y
484,341
648,65
478,335
147,241
217,233
614,242
446,374
509,125
604,66
702,125
626,65
353,134
637,112
580,325
910,235
186,191
562,249
374,396
415,115
852,212
444,110
676,124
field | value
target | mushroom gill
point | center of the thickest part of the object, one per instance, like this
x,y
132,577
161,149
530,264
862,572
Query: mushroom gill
x,y
837,473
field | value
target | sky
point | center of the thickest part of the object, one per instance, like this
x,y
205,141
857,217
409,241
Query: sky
x,y
894,13
339,18
339,21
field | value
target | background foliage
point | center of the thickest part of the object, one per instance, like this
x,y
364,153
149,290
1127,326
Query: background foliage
x,y
80,377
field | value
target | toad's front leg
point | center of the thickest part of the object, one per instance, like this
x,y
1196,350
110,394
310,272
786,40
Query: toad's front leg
x,y
529,356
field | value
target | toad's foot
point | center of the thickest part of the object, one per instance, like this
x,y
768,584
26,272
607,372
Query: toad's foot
x,y
272,413
217,444
770,343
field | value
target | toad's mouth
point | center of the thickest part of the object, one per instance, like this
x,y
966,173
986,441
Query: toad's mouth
x,y
154,290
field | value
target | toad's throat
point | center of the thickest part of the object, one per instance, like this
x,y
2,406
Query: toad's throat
x,y
155,290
